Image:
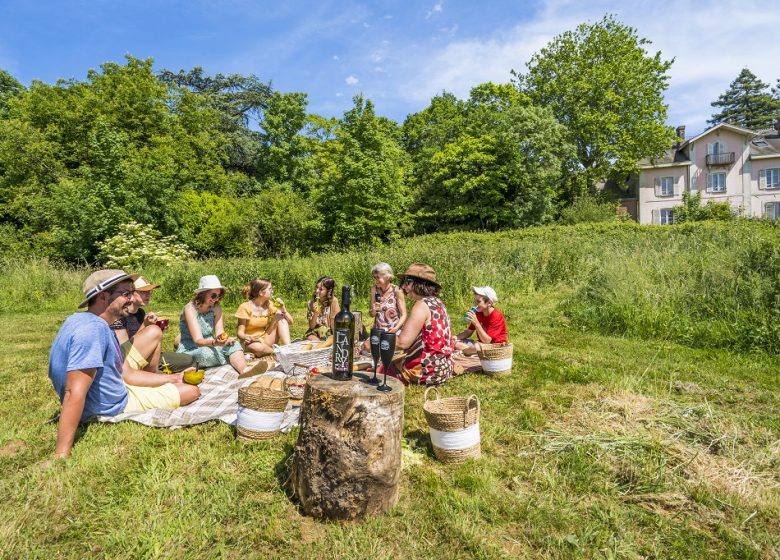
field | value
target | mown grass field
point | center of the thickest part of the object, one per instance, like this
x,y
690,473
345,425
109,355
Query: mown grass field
x,y
600,444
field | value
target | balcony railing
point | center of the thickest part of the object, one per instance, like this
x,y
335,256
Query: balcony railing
x,y
726,158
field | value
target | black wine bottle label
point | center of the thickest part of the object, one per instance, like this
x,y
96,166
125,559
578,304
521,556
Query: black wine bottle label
x,y
343,339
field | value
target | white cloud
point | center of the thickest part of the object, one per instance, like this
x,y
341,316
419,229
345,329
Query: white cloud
x,y
711,41
351,80
336,57
438,8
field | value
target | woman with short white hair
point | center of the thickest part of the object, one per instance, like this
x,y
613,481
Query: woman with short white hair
x,y
388,307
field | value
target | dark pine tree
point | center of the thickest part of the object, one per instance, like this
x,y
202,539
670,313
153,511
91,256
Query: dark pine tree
x,y
746,103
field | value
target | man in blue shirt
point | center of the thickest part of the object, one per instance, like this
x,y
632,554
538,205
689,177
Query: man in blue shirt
x,y
86,366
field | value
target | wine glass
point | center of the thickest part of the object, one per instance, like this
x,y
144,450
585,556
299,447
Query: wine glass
x,y
386,351
376,334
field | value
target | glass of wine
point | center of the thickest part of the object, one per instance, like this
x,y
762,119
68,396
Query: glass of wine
x,y
375,339
386,351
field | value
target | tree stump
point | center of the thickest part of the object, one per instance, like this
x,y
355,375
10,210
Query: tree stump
x,y
347,461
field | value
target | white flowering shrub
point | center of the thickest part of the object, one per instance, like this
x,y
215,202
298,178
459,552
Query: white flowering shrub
x,y
136,245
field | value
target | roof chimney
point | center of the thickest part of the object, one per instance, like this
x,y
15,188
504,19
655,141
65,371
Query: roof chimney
x,y
680,130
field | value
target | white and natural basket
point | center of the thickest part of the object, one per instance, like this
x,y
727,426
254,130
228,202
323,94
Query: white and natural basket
x,y
453,424
495,358
294,353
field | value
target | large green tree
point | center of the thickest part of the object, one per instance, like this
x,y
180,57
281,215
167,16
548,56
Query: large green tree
x,y
363,197
494,161
78,158
607,90
747,103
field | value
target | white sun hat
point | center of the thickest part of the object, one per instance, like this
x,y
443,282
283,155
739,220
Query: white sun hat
x,y
209,282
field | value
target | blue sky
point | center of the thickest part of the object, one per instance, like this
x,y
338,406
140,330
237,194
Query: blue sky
x,y
399,54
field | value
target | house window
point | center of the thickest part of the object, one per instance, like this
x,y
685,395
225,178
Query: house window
x,y
772,210
773,178
666,216
667,186
716,182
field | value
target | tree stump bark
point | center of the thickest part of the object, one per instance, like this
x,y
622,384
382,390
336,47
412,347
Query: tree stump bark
x,y
347,461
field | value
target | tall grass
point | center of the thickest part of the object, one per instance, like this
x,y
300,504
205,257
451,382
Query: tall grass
x,y
704,284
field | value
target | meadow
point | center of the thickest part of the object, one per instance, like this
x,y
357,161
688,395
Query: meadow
x,y
640,419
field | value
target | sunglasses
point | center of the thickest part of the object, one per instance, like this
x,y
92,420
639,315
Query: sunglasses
x,y
125,293
216,297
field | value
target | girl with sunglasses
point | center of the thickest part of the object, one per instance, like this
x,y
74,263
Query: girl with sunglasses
x,y
202,329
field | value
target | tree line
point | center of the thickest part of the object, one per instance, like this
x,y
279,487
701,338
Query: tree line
x,y
224,165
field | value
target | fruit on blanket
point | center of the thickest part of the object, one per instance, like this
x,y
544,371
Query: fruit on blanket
x,y
305,347
222,336
194,377
325,344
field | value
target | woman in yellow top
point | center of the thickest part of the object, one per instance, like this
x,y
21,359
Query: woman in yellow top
x,y
261,324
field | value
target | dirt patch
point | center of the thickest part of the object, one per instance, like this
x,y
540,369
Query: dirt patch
x,y
12,447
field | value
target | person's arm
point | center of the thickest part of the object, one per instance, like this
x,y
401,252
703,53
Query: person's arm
x,y
192,325
464,335
286,314
219,328
482,335
414,325
77,384
241,332
400,301
311,313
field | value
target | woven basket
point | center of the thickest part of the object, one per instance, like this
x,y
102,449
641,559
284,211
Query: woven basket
x,y
454,421
495,358
292,354
263,400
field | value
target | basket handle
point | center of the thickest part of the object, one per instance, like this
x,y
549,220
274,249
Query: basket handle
x,y
472,398
434,390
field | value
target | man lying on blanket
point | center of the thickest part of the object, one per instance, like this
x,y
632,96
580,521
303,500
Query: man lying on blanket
x,y
86,366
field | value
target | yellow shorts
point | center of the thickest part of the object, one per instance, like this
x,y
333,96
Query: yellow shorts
x,y
146,398
133,357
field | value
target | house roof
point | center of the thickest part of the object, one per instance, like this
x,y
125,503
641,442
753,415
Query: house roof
x,y
727,126
764,144
669,158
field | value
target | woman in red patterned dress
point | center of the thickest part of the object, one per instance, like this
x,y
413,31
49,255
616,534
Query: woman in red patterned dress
x,y
426,336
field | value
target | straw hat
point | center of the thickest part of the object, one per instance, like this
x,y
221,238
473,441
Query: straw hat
x,y
143,285
209,282
420,271
101,280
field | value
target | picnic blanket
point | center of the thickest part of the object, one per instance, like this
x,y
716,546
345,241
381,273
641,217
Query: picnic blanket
x,y
218,401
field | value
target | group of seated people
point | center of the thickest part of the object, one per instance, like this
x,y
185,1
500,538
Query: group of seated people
x,y
110,359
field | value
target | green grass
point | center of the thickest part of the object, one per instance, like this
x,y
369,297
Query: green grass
x,y
596,446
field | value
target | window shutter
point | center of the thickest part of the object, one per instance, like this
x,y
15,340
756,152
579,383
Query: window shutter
x,y
656,217
657,184
709,182
762,179
710,149
677,185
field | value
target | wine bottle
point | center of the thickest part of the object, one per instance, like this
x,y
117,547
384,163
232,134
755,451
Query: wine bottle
x,y
343,338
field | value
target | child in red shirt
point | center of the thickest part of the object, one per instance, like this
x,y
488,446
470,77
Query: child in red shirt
x,y
487,321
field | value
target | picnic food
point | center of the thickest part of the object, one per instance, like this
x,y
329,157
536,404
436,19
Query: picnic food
x,y
222,336
324,344
194,377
